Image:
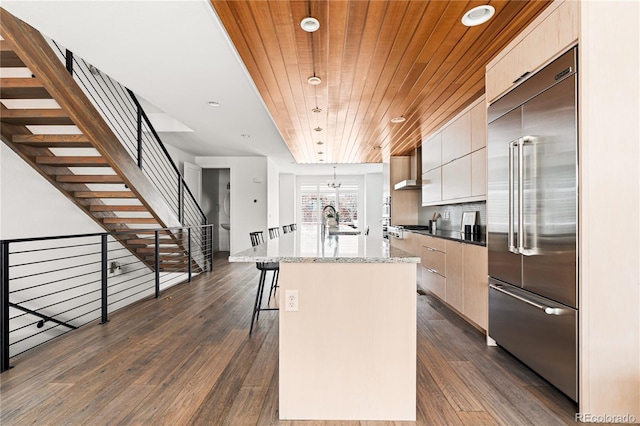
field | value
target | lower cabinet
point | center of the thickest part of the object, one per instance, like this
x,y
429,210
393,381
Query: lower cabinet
x,y
457,273
476,285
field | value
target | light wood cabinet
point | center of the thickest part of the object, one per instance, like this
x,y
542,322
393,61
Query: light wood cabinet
x,y
456,179
456,139
478,117
404,204
455,275
432,153
479,172
476,284
460,176
538,45
433,265
432,186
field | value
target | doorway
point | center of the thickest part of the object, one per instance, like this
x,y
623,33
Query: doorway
x,y
216,203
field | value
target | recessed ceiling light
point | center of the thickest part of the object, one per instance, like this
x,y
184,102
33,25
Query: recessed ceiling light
x,y
319,143
245,135
318,129
213,103
478,15
314,80
310,24
377,147
321,160
316,110
400,119
320,152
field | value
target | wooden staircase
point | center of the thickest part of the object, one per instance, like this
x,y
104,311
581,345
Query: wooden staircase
x,y
77,152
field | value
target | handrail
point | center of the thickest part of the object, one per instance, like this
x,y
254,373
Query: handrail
x,y
80,278
164,149
39,315
120,115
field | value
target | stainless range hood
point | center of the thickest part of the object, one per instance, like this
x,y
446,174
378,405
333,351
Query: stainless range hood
x,y
414,180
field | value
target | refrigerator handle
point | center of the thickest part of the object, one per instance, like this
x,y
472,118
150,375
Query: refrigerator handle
x,y
520,195
549,310
526,140
512,246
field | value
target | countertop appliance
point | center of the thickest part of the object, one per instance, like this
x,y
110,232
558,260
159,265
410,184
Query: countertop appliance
x,y
532,222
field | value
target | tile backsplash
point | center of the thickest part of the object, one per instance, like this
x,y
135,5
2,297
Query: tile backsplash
x,y
453,220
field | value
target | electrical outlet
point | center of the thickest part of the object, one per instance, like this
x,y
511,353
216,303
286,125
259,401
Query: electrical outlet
x,y
291,300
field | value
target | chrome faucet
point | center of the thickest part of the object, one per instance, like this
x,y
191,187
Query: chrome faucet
x,y
324,213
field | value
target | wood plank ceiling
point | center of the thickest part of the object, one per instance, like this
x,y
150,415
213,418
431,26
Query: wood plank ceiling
x,y
377,60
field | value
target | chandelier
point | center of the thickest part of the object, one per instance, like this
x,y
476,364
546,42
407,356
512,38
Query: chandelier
x,y
334,183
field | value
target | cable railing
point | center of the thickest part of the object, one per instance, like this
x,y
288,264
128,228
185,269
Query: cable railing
x,y
53,285
121,110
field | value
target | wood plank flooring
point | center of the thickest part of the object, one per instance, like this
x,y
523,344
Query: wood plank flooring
x,y
187,359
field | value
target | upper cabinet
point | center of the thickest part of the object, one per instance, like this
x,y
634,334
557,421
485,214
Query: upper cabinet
x,y
534,48
404,204
454,159
456,139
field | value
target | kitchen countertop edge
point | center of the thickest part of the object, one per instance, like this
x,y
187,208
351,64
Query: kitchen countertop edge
x,y
449,235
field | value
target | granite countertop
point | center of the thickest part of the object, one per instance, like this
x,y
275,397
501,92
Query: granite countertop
x,y
306,245
454,235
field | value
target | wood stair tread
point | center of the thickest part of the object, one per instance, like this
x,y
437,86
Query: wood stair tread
x,y
53,141
104,194
150,241
73,161
147,220
116,208
147,250
89,179
9,58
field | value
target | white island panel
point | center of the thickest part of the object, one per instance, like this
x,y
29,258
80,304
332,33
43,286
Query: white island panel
x,y
349,352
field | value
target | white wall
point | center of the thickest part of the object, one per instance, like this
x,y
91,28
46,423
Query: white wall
x,y
373,199
609,190
273,189
287,198
31,207
249,199
179,156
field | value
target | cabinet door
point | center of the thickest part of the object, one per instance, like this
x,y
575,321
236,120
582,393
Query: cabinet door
x,y
456,139
432,153
432,186
435,283
456,179
476,284
478,126
544,41
455,272
479,172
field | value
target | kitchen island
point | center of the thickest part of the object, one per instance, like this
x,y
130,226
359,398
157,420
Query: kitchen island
x,y
349,350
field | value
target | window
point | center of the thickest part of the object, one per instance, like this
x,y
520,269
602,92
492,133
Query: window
x,y
314,196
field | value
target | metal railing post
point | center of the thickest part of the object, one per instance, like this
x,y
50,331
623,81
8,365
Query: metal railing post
x,y
139,111
68,56
189,249
103,286
157,238
4,306
180,199
211,247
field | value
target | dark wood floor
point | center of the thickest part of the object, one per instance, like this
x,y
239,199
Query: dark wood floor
x,y
187,358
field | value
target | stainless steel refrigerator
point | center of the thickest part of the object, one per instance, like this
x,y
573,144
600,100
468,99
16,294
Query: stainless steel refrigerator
x,y
532,223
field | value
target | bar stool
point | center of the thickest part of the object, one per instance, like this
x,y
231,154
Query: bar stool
x,y
286,229
263,267
274,233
